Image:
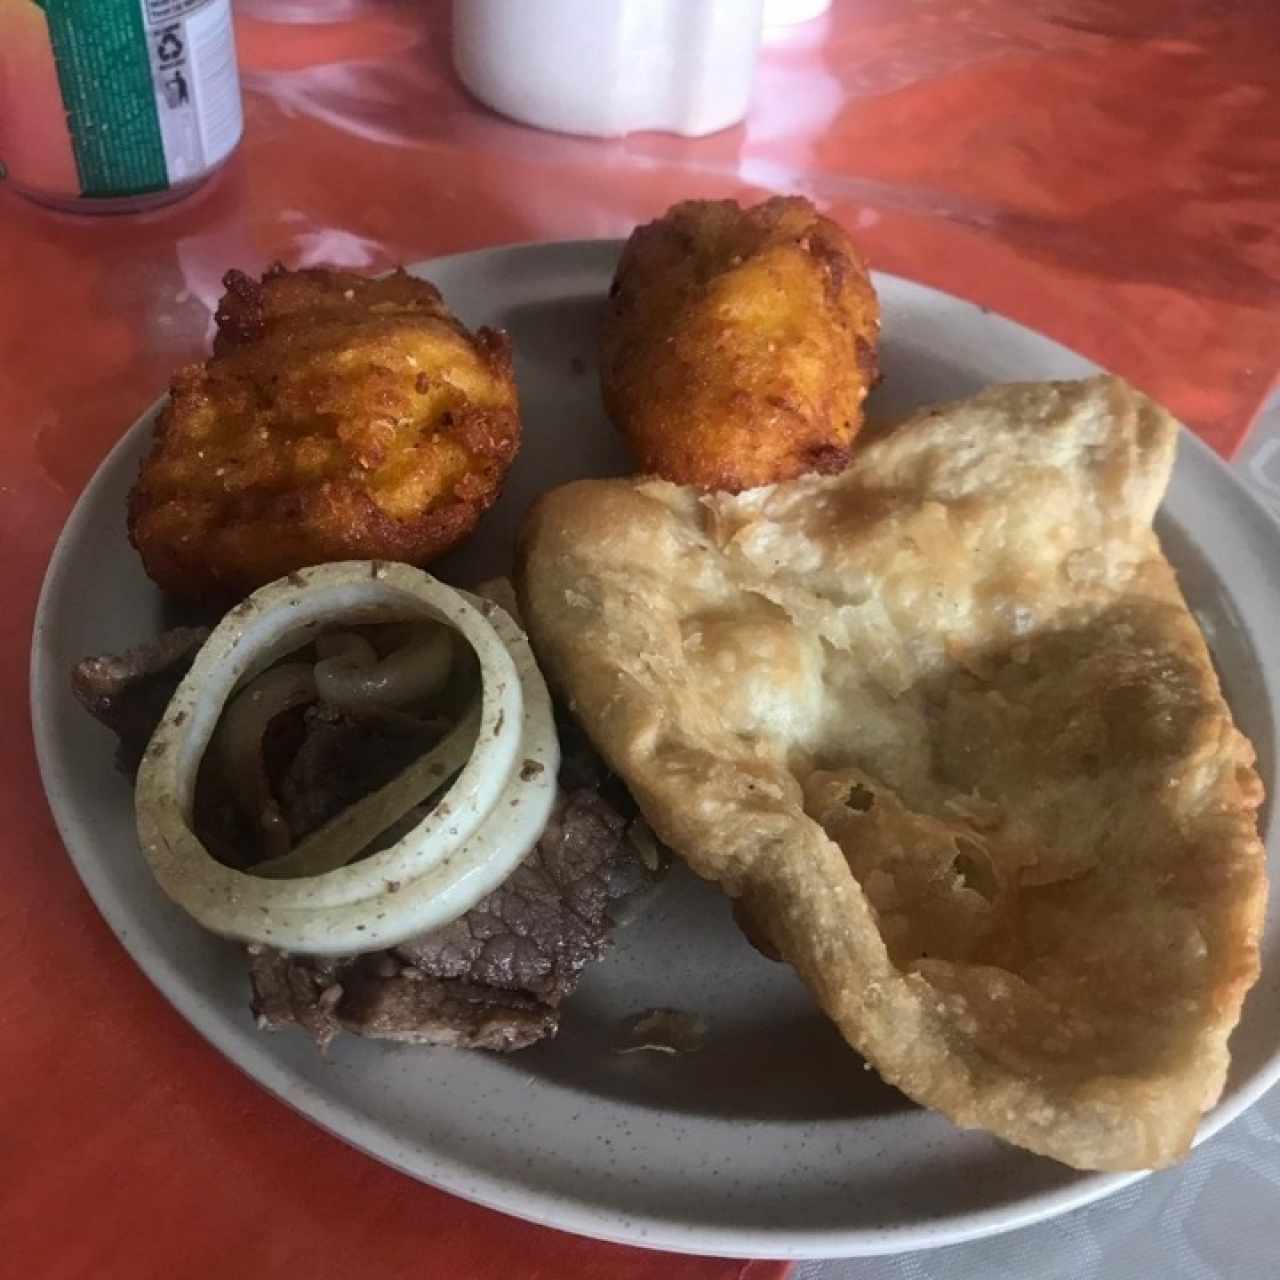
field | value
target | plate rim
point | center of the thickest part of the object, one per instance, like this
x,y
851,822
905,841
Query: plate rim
x,y
511,1195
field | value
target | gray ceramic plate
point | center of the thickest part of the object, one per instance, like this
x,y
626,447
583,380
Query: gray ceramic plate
x,y
773,1141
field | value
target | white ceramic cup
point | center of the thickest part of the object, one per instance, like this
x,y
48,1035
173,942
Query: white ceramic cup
x,y
610,67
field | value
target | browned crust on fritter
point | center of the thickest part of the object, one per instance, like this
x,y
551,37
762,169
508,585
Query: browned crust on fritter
x,y
339,418
739,345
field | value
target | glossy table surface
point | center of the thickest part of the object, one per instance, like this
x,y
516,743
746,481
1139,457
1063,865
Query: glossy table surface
x,y
1106,171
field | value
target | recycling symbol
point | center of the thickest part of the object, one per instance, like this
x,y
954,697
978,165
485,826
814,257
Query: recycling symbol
x,y
169,45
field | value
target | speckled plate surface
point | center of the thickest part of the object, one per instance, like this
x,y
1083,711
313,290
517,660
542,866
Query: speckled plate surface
x,y
774,1140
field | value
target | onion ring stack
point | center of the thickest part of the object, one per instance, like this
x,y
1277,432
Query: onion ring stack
x,y
307,900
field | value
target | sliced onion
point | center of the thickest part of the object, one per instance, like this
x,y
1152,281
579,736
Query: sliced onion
x,y
346,648
347,833
350,677
465,847
238,744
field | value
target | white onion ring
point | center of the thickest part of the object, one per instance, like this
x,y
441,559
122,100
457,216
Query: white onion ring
x,y
350,677
464,848
238,746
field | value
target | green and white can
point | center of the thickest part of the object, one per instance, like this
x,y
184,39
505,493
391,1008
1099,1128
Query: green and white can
x,y
116,104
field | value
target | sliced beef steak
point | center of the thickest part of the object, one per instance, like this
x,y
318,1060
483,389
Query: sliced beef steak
x,y
129,692
389,1001
335,761
535,931
494,978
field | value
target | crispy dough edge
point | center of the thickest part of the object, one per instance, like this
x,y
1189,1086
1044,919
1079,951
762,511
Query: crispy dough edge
x,y
760,845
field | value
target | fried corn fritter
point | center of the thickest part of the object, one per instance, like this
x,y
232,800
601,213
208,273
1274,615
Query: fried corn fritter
x,y
339,418
739,344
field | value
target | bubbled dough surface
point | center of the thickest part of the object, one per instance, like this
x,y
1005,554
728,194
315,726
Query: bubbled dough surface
x,y
946,724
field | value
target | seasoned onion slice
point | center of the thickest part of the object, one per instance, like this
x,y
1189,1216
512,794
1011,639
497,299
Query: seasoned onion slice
x,y
485,823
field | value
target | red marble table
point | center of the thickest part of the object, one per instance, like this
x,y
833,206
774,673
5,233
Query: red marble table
x,y
1107,171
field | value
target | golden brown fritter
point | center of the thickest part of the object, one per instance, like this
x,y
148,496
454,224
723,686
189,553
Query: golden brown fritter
x,y
339,418
739,344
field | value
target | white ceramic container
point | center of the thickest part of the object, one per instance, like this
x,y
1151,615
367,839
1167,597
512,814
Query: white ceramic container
x,y
610,67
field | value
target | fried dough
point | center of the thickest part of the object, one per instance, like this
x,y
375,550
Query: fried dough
x,y
739,344
945,726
